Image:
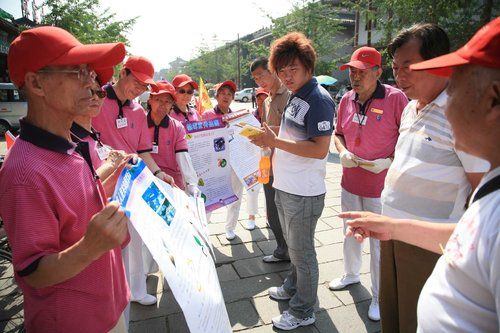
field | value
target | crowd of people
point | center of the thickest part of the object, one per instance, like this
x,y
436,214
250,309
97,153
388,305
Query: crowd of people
x,y
420,167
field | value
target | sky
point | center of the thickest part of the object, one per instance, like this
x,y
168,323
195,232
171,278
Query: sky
x,y
167,29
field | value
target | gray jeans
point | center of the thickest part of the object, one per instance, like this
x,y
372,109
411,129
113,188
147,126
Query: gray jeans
x,y
298,217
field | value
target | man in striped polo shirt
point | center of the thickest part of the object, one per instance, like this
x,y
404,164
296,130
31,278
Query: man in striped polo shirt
x,y
428,179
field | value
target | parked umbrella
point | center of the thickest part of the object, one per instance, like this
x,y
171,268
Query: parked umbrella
x,y
326,80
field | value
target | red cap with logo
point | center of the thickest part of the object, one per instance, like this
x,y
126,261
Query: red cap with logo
x,y
40,47
261,90
227,83
363,58
141,68
163,87
482,49
183,79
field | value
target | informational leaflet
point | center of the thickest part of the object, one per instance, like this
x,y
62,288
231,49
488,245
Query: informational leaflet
x,y
244,156
174,228
208,144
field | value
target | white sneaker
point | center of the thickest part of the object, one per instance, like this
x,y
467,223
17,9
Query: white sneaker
x,y
287,322
343,282
271,259
230,235
250,225
278,293
373,310
146,300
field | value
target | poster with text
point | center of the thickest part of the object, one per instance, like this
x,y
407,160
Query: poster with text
x,y
244,156
208,144
173,226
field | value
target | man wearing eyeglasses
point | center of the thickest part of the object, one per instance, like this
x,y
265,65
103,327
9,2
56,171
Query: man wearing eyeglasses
x,y
66,239
123,126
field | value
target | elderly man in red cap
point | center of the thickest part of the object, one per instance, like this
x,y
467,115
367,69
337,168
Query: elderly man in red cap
x,y
463,291
123,126
365,136
66,239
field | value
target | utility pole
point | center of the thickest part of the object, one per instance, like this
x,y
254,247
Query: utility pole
x,y
239,74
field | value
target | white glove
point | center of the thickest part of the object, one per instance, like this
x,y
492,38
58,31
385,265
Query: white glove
x,y
348,159
375,166
193,190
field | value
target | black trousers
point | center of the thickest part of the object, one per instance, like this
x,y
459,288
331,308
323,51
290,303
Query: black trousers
x,y
281,251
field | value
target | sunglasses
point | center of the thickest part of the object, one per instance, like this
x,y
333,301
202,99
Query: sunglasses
x,y
182,92
99,92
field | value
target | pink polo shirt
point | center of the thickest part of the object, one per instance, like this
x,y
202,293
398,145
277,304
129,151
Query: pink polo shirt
x,y
213,113
182,117
377,137
133,138
49,193
170,137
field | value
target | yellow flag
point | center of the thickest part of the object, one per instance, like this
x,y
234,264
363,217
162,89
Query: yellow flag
x,y
204,103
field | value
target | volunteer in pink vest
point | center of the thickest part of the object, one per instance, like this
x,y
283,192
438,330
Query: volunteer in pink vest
x,y
184,90
170,148
66,238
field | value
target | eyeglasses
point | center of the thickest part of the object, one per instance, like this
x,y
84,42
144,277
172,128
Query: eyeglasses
x,y
83,73
99,92
182,92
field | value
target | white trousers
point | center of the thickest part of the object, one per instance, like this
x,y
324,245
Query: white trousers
x,y
253,199
134,264
352,249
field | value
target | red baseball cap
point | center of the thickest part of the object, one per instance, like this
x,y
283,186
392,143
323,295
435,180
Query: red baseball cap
x,y
228,83
39,47
163,87
363,58
104,75
141,68
261,90
183,79
482,49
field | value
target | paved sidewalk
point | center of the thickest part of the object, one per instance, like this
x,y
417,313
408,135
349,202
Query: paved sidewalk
x,y
245,278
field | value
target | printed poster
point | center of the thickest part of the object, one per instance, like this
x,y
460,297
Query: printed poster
x,y
244,156
174,228
208,144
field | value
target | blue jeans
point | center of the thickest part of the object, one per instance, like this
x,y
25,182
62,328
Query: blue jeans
x,y
298,217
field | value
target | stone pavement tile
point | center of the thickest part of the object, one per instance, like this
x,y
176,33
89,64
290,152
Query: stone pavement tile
x,y
268,308
150,325
236,290
356,293
245,236
330,252
267,246
176,324
326,299
336,209
231,253
331,236
328,212
322,226
255,266
335,269
332,201
227,273
216,228
351,318
11,304
215,241
333,221
242,315
165,305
